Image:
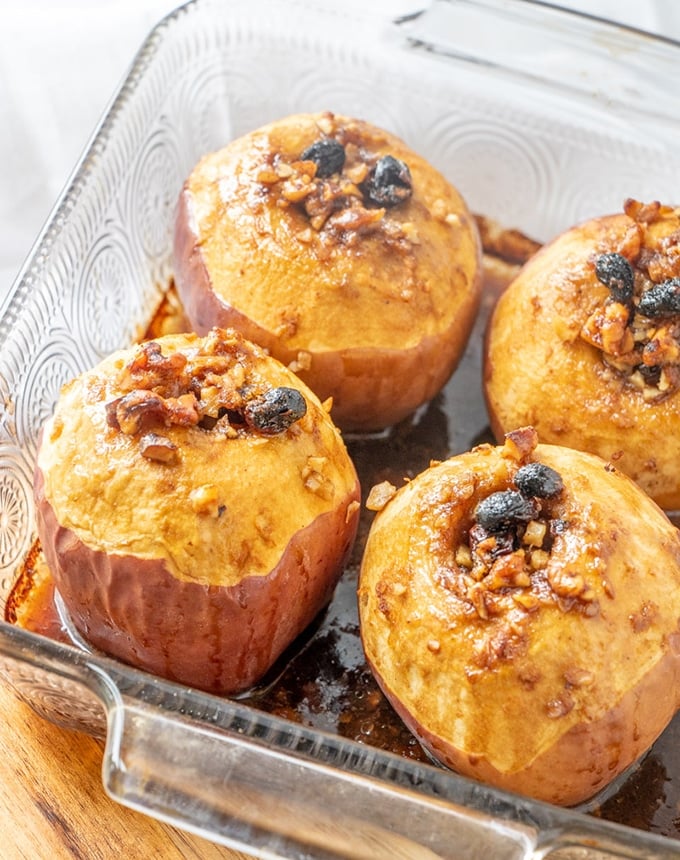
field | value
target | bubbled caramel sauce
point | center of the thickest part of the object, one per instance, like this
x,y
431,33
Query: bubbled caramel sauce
x,y
322,681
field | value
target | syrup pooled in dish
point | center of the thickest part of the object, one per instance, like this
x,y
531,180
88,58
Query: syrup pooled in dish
x,y
584,345
339,249
520,608
196,506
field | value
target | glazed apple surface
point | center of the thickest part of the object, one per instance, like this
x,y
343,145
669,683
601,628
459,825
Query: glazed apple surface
x,y
195,505
584,345
339,249
520,608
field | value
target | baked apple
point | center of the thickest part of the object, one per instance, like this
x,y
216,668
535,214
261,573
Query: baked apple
x,y
585,345
333,245
519,606
195,505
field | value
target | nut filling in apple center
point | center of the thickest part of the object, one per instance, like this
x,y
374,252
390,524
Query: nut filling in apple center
x,y
638,327
344,190
208,388
502,563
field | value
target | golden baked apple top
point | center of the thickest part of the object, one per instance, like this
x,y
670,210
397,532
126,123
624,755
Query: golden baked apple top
x,y
520,607
584,345
196,506
342,251
201,451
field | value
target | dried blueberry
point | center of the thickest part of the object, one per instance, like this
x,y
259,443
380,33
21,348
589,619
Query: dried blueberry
x,y
536,479
500,511
276,410
616,273
661,300
389,182
328,155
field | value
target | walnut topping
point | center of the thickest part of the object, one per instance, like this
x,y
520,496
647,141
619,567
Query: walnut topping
x,y
205,500
343,189
314,479
637,329
303,361
352,508
379,495
519,443
207,387
503,562
141,409
158,448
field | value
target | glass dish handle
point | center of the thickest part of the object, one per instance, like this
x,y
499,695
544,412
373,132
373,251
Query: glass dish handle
x,y
237,791
593,58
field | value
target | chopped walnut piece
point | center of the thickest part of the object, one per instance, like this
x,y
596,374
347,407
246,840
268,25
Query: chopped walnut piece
x,y
643,213
626,327
267,176
507,571
356,218
662,347
204,500
539,559
570,585
477,596
314,479
527,600
351,510
520,443
159,449
141,409
607,329
150,369
208,387
379,495
463,556
535,532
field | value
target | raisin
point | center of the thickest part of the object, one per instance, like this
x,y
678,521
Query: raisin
x,y
616,273
276,410
328,155
536,479
650,373
500,511
389,182
661,300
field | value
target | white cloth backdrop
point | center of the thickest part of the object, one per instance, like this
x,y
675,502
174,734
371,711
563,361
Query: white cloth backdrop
x,y
60,63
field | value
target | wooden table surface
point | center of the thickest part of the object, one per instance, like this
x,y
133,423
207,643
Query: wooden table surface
x,y
53,805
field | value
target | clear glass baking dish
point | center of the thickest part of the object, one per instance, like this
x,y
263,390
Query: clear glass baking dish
x,y
541,117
